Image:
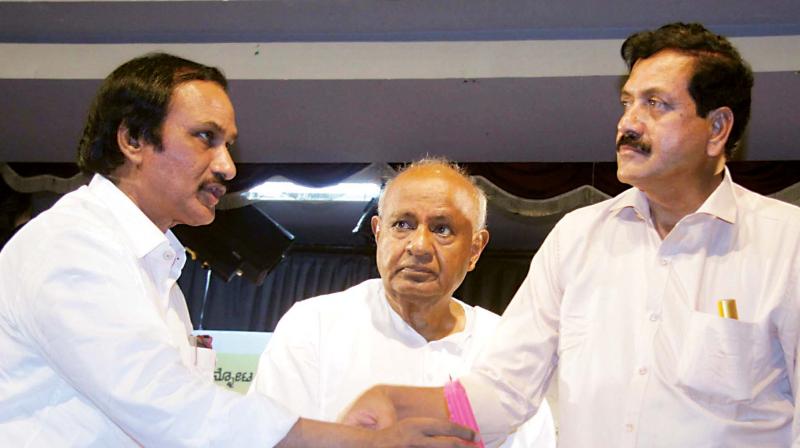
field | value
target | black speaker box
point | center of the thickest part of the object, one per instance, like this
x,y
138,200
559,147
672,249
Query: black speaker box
x,y
241,241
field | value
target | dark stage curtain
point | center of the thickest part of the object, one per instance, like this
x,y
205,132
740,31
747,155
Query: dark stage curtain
x,y
496,278
241,305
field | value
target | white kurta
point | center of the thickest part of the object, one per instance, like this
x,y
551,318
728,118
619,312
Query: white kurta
x,y
94,338
327,350
632,322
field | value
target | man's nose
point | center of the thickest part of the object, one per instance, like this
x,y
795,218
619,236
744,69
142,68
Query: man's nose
x,y
420,242
222,165
630,122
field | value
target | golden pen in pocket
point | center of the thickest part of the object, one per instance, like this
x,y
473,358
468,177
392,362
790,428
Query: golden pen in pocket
x,y
727,309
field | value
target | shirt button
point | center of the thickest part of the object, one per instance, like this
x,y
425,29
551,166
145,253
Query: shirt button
x,y
167,256
664,262
654,317
629,427
643,371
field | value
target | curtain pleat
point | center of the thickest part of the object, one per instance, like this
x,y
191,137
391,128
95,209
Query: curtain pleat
x,y
241,305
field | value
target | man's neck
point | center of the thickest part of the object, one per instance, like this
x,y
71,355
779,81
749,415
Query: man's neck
x,y
669,205
432,319
124,177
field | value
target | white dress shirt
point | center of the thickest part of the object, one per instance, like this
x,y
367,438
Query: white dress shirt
x,y
327,350
94,337
631,320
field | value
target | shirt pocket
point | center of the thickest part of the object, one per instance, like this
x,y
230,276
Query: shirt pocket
x,y
716,359
578,314
205,361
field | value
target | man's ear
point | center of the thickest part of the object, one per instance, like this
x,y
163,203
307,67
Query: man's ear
x,y
479,241
375,222
130,146
721,121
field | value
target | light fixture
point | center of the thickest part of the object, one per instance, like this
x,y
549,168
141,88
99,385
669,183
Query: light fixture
x,y
290,191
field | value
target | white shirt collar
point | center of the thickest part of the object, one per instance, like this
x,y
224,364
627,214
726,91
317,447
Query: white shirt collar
x,y
142,233
720,204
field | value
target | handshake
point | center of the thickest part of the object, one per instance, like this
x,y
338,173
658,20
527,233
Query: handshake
x,y
376,409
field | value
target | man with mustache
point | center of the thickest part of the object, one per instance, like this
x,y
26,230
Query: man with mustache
x,y
94,333
626,296
405,327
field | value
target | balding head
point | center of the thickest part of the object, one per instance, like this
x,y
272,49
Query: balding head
x,y
442,168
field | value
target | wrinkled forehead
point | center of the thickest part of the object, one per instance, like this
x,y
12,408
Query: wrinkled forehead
x,y
431,193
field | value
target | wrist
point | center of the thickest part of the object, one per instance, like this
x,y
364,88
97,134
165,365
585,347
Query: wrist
x,y
459,408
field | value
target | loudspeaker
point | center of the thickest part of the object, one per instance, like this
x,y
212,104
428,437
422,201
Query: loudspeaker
x,y
241,241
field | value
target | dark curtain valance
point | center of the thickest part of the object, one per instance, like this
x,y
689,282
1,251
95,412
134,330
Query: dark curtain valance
x,y
247,174
530,180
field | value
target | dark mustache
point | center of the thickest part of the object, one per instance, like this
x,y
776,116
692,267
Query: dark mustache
x,y
218,179
635,141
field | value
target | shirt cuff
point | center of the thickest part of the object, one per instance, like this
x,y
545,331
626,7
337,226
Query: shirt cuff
x,y
489,414
261,420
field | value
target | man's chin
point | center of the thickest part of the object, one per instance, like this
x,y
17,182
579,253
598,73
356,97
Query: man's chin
x,y
416,289
628,172
623,177
204,218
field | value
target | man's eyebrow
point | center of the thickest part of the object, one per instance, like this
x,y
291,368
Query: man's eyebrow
x,y
647,92
401,214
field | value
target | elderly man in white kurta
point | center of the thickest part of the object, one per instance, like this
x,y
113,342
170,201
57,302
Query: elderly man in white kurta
x,y
404,328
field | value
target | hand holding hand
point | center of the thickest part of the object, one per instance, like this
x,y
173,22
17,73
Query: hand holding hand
x,y
424,433
373,409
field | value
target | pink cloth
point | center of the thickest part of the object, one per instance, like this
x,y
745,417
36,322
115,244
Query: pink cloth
x,y
459,408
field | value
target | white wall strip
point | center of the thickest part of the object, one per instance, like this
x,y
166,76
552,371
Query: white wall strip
x,y
371,60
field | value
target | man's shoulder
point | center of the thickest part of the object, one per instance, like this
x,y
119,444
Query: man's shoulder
x,y
80,206
329,314
75,215
333,304
72,229
588,216
485,320
481,314
767,207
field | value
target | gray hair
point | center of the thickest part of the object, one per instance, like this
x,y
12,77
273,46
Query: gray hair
x,y
447,164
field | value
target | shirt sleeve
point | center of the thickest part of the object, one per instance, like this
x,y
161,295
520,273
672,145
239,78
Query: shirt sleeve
x,y
510,377
90,314
794,372
537,432
288,370
789,334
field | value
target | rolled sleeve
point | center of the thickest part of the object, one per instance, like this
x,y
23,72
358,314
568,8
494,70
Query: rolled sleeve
x,y
510,377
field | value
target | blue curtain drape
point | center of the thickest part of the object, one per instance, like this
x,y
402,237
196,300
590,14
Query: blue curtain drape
x,y
241,305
